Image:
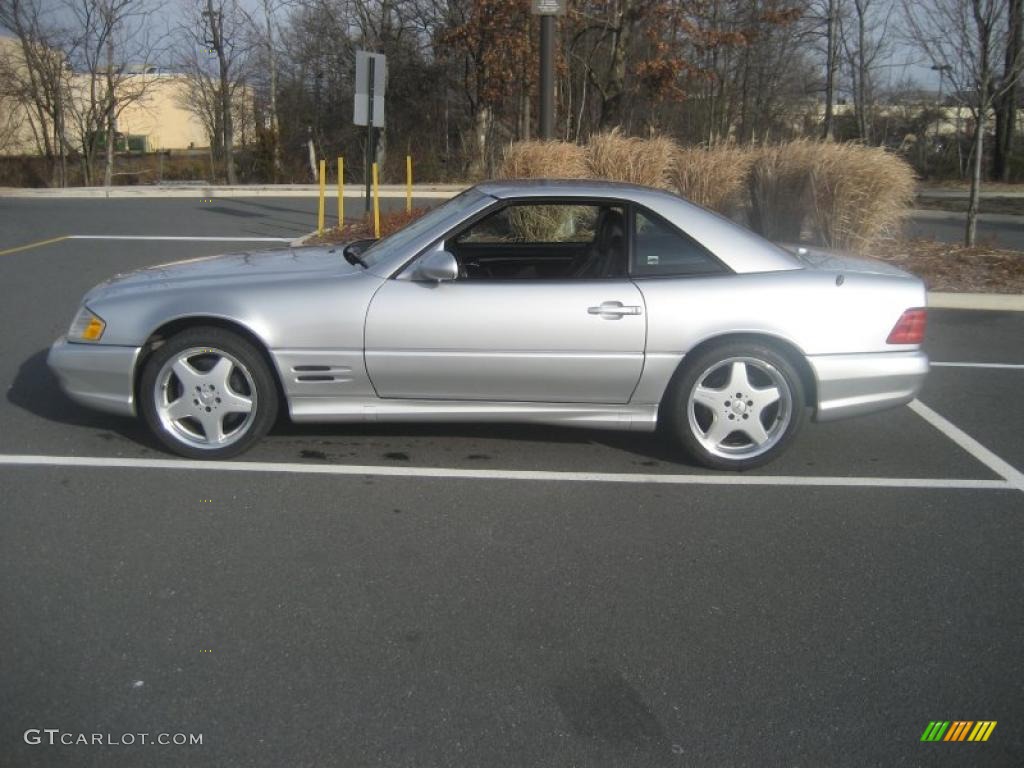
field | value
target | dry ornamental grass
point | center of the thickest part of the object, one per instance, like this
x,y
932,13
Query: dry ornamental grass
x,y
715,178
859,194
778,184
543,159
615,157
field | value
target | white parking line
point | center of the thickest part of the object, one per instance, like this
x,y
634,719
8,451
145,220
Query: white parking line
x,y
1013,476
30,460
1008,366
184,237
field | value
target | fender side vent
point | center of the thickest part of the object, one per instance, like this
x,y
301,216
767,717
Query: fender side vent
x,y
313,374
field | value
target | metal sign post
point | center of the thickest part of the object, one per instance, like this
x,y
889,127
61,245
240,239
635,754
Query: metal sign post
x,y
547,10
371,78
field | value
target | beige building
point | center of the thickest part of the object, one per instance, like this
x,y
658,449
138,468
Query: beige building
x,y
160,116
158,121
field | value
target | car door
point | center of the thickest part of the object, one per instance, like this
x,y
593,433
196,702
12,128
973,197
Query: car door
x,y
527,320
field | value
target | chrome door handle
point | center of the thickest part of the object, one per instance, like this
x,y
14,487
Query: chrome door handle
x,y
613,310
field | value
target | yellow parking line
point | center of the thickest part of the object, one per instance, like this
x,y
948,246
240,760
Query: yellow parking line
x,y
33,245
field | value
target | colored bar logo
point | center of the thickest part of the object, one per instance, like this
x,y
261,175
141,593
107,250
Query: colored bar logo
x,y
958,730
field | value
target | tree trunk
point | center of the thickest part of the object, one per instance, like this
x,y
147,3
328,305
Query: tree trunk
x,y
863,121
614,89
108,166
229,129
972,206
312,158
1006,104
108,169
481,140
831,60
217,34
275,126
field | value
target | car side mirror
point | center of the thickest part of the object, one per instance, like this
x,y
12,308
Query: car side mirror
x,y
436,267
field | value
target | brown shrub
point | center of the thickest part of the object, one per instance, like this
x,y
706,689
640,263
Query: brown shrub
x,y
543,159
616,157
715,178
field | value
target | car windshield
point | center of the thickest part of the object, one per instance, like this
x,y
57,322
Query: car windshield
x,y
439,218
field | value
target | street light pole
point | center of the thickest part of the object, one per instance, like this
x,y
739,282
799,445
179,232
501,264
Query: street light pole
x,y
547,10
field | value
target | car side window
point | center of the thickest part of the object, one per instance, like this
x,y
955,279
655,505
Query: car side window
x,y
662,250
535,223
527,240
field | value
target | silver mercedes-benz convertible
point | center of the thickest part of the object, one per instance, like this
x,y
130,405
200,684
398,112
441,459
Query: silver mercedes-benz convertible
x,y
593,304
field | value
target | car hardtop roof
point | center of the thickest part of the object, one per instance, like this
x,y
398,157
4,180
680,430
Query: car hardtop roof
x,y
506,188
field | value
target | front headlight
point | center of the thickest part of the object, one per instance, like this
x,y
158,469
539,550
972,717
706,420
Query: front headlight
x,y
87,326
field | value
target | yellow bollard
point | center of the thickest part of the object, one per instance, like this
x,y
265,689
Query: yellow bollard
x,y
376,204
408,183
323,191
341,192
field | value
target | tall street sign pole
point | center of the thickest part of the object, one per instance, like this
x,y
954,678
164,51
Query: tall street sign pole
x,y
371,80
371,134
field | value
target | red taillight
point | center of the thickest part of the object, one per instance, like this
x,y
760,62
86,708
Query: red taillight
x,y
909,329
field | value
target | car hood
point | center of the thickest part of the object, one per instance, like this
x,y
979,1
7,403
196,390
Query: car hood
x,y
834,261
231,268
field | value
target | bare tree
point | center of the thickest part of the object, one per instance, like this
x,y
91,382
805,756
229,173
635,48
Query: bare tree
x,y
12,115
216,32
864,35
264,32
111,44
201,98
41,77
964,39
831,12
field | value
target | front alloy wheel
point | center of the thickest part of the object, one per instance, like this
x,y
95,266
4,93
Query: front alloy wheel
x,y
737,406
207,393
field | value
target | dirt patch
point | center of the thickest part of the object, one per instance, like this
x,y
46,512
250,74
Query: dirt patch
x,y
363,229
950,267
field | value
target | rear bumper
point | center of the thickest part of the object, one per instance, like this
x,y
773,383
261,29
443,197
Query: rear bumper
x,y
851,385
96,375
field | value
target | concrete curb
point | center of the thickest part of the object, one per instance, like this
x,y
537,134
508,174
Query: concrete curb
x,y
963,194
959,216
1003,302
355,191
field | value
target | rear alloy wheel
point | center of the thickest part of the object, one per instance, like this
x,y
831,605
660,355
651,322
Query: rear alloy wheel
x,y
736,405
208,393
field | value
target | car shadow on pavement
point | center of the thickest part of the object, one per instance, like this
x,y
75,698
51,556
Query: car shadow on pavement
x,y
35,389
651,446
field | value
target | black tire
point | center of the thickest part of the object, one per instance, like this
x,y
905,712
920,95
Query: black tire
x,y
766,368
250,378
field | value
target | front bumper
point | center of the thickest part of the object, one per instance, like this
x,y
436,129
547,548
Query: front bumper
x,y
96,375
851,385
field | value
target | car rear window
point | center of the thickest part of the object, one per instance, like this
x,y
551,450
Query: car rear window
x,y
659,249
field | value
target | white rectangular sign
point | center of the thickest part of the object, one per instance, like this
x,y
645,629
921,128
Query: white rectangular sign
x,y
548,7
362,104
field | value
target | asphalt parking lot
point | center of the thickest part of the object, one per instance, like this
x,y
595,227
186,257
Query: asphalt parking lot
x,y
479,595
